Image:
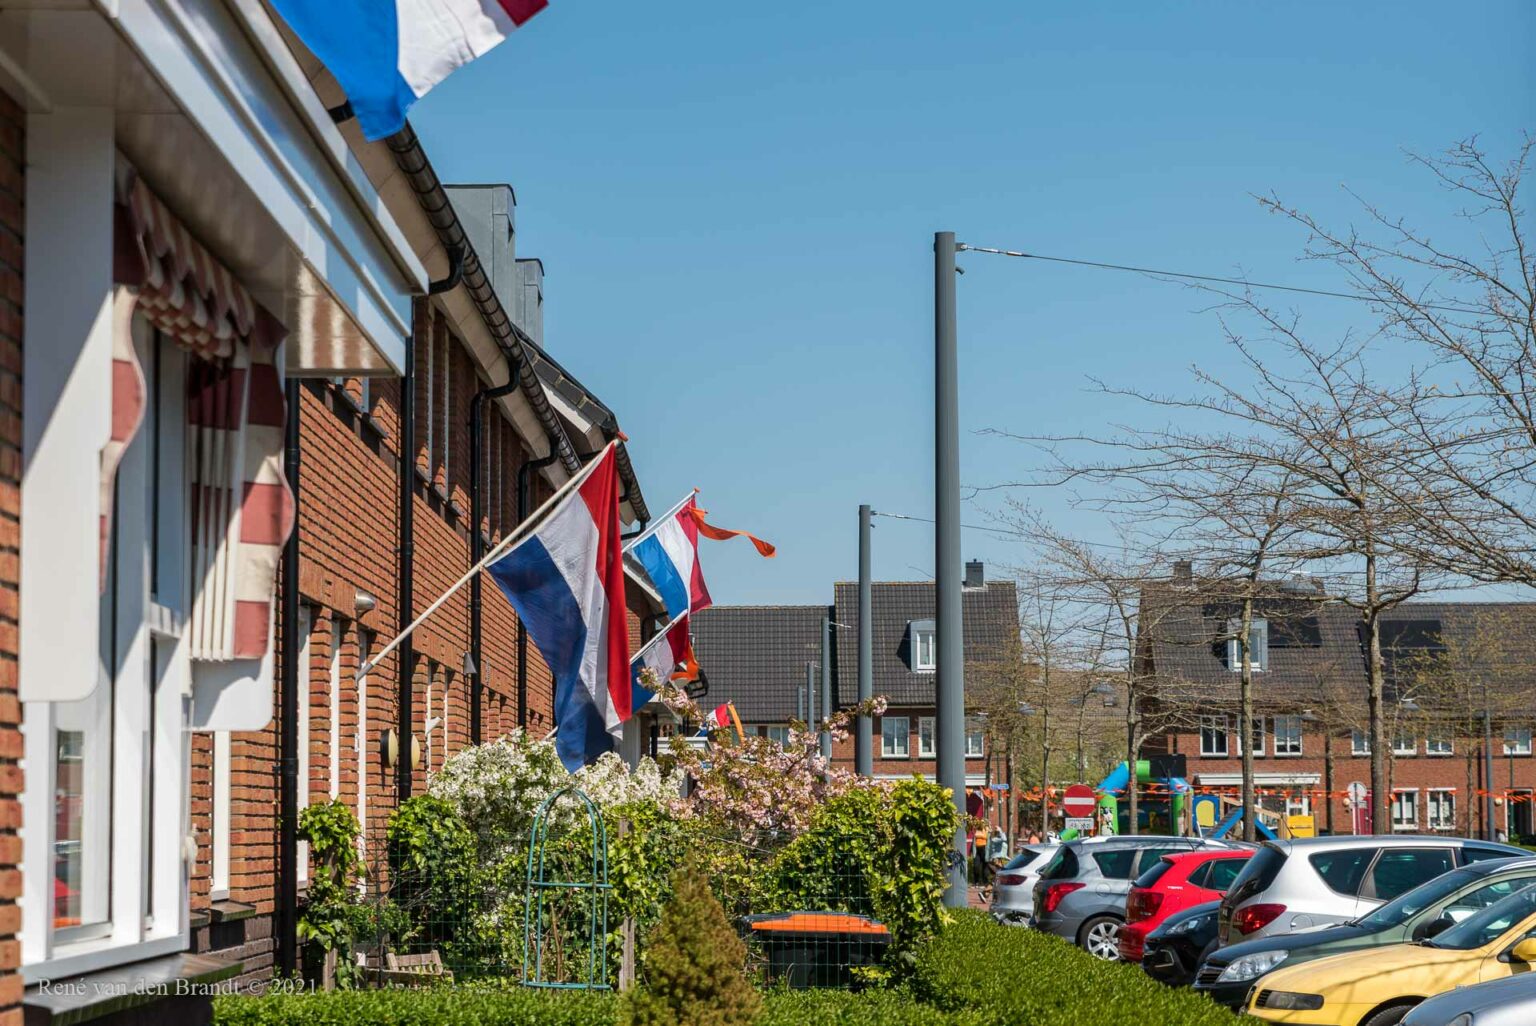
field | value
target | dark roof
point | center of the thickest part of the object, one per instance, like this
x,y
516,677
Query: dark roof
x,y
755,656
1316,644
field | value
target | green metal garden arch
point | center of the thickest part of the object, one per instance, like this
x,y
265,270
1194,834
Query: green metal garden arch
x,y
595,891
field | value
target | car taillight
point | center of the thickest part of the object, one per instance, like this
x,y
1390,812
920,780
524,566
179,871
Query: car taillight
x,y
1054,893
1010,879
1251,918
1143,904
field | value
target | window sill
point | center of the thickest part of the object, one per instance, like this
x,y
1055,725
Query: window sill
x,y
228,911
78,999
902,758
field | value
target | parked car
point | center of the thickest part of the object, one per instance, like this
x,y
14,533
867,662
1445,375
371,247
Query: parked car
x,y
1172,884
1378,986
1013,892
1176,948
1506,1002
1228,974
1318,881
1080,895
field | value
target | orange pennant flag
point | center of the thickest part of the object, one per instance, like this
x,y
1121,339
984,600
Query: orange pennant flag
x,y
709,530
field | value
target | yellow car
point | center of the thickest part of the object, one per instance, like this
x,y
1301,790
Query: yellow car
x,y
1378,986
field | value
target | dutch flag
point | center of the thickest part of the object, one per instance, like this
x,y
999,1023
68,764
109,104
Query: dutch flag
x,y
386,54
566,581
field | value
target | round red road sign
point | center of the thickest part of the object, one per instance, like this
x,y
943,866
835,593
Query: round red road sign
x,y
1078,801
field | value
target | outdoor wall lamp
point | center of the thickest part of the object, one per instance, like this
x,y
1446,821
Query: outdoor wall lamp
x,y
364,603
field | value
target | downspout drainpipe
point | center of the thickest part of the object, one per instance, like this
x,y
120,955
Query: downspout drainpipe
x,y
524,483
288,741
477,539
405,591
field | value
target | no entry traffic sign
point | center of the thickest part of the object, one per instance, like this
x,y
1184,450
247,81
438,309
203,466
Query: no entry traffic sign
x,y
1078,801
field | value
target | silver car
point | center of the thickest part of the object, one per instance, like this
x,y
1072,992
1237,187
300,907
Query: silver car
x,y
1507,1002
1013,889
1303,883
1081,893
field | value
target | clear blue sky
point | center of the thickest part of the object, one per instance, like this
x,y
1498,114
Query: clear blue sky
x,y
735,206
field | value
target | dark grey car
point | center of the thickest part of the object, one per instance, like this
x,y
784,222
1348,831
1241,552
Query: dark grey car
x,y
1081,893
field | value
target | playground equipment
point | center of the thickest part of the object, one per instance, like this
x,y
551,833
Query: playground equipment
x,y
1160,808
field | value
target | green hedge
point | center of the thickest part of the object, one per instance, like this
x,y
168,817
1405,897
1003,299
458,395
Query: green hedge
x,y
1010,975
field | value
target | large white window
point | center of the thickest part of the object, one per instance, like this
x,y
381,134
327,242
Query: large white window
x,y
1359,742
778,733
1405,809
1405,743
925,737
895,737
1441,808
106,797
1438,744
1213,737
925,654
975,738
1256,729
1287,735
1258,645
1517,740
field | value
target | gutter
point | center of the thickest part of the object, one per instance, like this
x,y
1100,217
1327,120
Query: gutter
x,y
520,350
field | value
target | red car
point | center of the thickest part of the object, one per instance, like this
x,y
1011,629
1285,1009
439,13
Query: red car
x,y
1175,883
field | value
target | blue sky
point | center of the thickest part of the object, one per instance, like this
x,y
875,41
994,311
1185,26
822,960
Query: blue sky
x,y
735,205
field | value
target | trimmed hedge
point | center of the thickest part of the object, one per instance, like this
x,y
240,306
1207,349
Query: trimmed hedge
x,y
974,973
1010,975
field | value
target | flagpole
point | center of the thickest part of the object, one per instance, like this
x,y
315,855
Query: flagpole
x,y
656,524
496,553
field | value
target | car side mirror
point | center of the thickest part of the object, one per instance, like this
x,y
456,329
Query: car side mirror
x,y
1433,928
1525,951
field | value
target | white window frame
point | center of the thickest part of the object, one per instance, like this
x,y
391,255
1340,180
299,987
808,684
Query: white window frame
x,y
144,707
1219,726
1398,748
306,695
1440,808
778,733
1439,745
223,793
1256,727
1400,825
975,732
1293,737
926,733
888,749
1258,645
925,639
360,742
1359,742
1298,803
1517,741
338,640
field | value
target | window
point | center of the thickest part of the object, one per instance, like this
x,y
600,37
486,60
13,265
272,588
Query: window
x,y
1258,645
1256,728
925,747
222,792
1222,873
1298,803
107,800
1359,742
1116,864
895,737
778,733
1405,809
1437,744
1405,744
1399,870
333,752
1517,740
1344,870
306,693
1287,735
1441,809
925,655
1213,736
975,738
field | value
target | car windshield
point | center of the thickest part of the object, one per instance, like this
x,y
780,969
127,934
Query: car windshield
x,y
1410,903
1023,858
1490,924
1257,875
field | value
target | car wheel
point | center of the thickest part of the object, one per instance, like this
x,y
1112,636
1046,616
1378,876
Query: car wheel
x,y
1101,938
1388,1016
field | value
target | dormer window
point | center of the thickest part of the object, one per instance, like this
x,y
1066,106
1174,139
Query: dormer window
x,y
924,645
1258,646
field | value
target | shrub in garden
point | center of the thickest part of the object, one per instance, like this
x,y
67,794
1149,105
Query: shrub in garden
x,y
693,965
440,1006
1022,976
331,919
436,881
878,850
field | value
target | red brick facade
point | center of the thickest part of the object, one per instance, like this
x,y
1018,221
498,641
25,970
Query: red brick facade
x,y
12,178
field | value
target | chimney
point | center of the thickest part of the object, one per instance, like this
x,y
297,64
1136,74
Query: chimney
x,y
975,574
1183,571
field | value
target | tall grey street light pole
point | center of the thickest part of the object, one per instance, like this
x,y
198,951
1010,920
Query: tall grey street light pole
x,y
950,664
863,735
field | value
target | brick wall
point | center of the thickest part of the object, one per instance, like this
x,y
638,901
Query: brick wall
x,y
12,192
